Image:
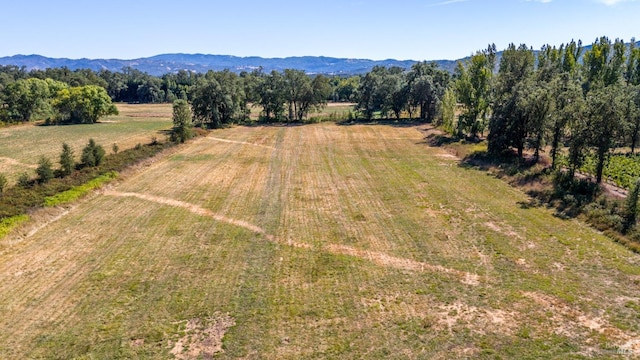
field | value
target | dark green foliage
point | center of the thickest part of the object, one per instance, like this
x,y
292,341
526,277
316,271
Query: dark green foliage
x,y
3,183
83,104
270,91
67,163
24,180
213,104
92,154
426,85
511,123
44,170
181,121
631,208
473,88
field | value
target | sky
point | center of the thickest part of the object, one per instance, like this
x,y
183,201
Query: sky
x,y
366,29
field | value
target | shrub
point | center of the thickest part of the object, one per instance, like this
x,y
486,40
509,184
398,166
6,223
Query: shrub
x,y
92,154
66,160
24,180
3,183
631,208
44,170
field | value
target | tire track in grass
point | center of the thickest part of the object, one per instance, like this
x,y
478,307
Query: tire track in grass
x,y
14,162
239,142
376,257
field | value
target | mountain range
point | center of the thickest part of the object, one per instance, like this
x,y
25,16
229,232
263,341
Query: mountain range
x,y
171,63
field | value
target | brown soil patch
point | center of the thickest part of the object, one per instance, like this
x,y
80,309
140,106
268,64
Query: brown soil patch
x,y
448,156
566,320
478,319
401,263
202,338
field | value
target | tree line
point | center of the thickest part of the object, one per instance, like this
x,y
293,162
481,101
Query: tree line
x,y
585,99
216,97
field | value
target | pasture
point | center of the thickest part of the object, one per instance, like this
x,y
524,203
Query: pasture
x,y
315,241
21,146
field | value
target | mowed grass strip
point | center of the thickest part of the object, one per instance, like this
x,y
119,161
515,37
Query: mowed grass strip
x,y
337,208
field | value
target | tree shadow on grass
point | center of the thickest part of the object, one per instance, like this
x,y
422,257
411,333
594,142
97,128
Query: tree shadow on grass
x,y
402,123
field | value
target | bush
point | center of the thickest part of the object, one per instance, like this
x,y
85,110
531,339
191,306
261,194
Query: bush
x,y
24,180
3,183
66,160
92,154
44,170
631,208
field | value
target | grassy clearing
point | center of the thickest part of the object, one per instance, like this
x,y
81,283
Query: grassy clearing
x,y
318,241
23,145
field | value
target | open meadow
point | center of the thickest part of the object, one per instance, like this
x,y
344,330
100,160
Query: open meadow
x,y
21,146
315,241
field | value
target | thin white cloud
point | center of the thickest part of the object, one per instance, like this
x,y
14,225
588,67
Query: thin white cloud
x,y
541,1
613,2
446,2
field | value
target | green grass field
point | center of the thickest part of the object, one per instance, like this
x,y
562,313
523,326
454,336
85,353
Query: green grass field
x,y
318,241
21,146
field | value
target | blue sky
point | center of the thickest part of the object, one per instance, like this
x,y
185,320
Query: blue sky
x,y
374,29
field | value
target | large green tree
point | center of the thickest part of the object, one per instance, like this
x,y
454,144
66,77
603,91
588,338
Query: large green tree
x,y
182,122
427,85
213,104
29,98
84,104
473,88
510,123
603,69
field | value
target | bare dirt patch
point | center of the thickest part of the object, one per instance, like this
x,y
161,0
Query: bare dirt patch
x,y
479,320
568,320
202,338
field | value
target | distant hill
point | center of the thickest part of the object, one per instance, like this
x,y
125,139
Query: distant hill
x,y
170,63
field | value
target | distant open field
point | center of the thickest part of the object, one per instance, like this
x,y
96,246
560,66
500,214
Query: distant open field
x,y
21,146
316,241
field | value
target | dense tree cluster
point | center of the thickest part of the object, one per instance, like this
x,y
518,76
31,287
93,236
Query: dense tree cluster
x,y
585,100
32,98
216,98
386,91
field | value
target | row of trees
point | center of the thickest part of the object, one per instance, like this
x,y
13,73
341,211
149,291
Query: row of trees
x,y
394,91
133,86
557,100
224,97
